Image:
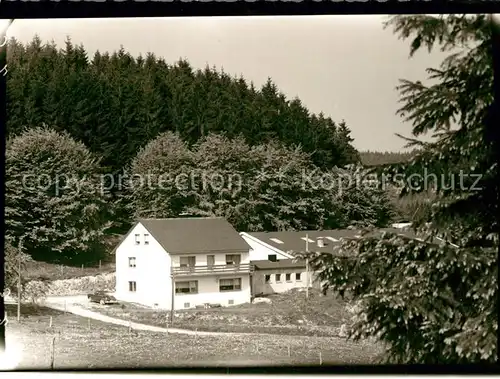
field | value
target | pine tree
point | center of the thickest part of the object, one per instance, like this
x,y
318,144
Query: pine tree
x,y
435,300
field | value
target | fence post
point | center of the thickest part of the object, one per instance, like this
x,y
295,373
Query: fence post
x,y
320,359
99,264
52,353
82,267
289,352
88,322
129,327
64,306
50,322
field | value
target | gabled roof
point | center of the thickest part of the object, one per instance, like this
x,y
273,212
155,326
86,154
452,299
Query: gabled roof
x,y
248,236
194,234
294,241
281,264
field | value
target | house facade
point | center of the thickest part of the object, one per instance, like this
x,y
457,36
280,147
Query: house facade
x,y
183,263
280,276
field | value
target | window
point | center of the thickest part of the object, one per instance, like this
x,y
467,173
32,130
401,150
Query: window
x,y
268,278
230,284
230,302
288,277
187,262
186,305
146,239
278,278
132,286
210,260
186,287
272,257
297,276
137,241
233,259
131,262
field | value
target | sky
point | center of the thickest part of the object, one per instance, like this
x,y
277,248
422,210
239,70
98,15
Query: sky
x,y
344,66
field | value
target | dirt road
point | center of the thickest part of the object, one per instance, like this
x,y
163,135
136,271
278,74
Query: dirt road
x,y
76,305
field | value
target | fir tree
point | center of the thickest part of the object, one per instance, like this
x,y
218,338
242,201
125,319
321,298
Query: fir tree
x,y
435,300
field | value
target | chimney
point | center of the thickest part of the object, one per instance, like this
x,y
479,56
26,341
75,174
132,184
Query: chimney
x,y
321,243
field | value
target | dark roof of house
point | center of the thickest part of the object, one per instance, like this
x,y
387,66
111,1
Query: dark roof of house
x,y
294,241
283,263
195,234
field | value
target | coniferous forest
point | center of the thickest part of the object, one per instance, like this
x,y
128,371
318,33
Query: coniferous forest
x,y
112,109
115,104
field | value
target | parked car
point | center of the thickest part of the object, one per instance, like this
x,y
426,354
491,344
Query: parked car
x,y
102,298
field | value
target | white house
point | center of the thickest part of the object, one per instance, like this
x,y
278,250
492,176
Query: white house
x,y
183,263
272,256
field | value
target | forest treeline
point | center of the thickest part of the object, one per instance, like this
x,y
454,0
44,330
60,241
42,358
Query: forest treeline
x,y
375,158
116,103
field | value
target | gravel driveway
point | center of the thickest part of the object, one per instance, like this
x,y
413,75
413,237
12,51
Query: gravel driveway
x,y
77,305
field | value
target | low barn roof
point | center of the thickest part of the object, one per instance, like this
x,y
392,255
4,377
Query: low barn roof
x,y
294,241
281,264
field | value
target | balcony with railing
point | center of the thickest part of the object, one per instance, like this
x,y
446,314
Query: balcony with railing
x,y
211,269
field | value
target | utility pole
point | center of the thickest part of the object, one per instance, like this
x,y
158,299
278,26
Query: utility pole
x,y
307,266
19,255
3,117
172,304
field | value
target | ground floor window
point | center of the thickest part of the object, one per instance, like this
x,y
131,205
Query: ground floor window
x,y
230,284
268,278
132,286
297,276
186,287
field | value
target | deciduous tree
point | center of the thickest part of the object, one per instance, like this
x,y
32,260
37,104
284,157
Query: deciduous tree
x,y
54,197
